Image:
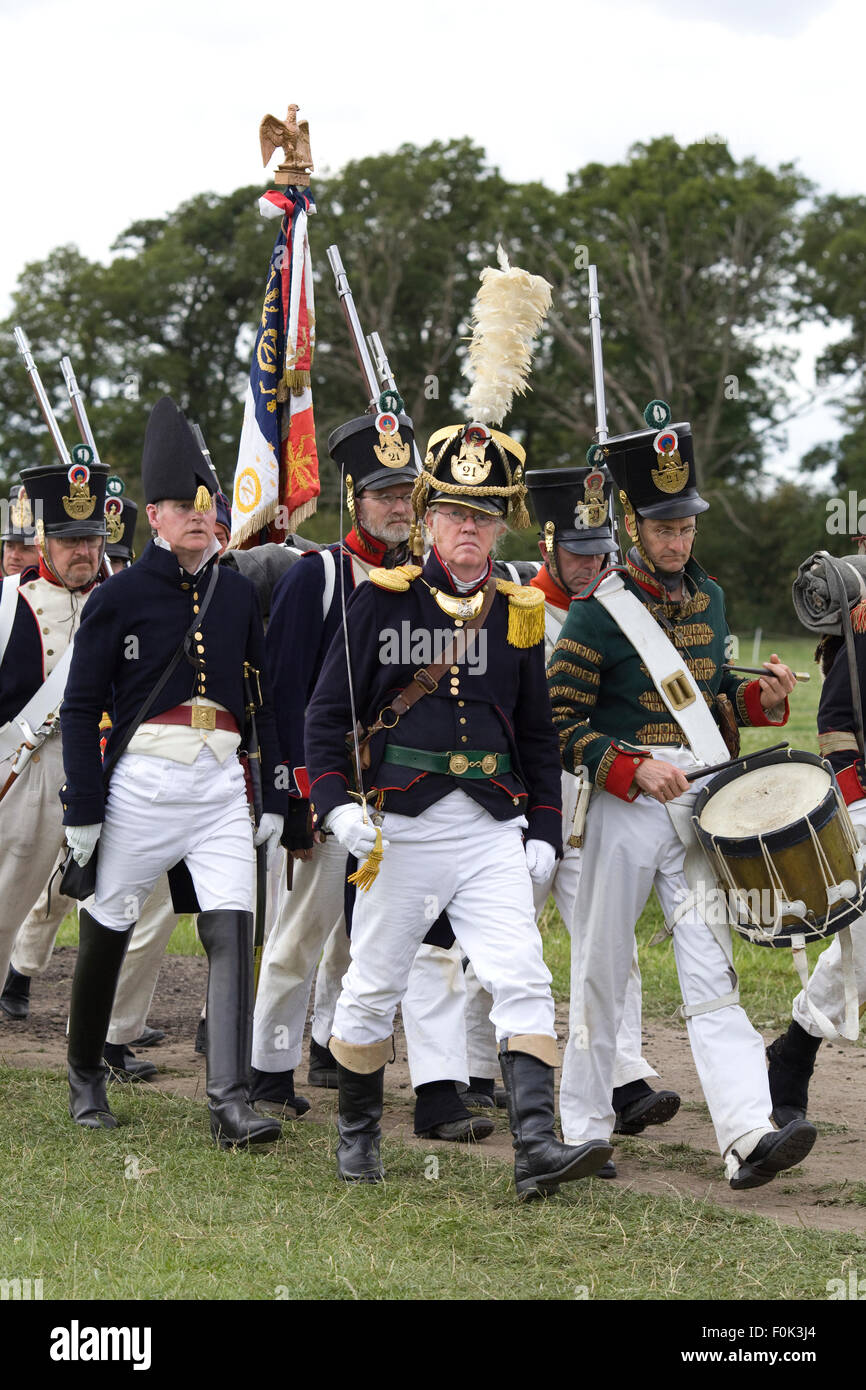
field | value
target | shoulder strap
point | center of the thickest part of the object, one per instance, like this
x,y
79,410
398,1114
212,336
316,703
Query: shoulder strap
x,y
330,580
513,571
667,669
8,603
149,702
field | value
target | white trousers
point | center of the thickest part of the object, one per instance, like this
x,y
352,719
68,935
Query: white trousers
x,y
629,849
480,1041
37,934
137,982
159,812
826,987
309,921
456,857
31,838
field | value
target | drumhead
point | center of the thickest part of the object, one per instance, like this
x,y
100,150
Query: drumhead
x,y
765,799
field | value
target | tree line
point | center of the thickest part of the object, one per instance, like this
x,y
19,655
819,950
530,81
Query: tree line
x,y
707,265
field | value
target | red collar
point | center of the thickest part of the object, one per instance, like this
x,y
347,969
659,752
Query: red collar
x,y
45,573
553,592
365,546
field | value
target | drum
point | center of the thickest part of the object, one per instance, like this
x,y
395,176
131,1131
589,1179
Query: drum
x,y
782,848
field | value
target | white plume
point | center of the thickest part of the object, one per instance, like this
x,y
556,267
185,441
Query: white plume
x,y
507,313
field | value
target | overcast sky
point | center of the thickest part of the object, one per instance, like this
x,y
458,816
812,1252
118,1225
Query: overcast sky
x,y
114,111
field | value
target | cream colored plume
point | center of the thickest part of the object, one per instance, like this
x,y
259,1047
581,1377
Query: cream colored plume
x,y
508,311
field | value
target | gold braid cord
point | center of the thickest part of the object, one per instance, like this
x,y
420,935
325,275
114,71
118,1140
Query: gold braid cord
x,y
631,518
365,876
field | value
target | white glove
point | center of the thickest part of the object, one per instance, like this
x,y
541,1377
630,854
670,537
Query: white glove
x,y
540,859
357,836
81,839
269,829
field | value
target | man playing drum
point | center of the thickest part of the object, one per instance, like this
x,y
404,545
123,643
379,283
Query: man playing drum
x,y
634,677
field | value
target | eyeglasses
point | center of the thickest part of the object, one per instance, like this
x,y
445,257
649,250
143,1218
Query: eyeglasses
x,y
402,499
483,521
73,542
670,533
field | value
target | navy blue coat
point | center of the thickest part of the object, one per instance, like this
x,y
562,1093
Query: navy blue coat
x,y
504,710
22,669
129,631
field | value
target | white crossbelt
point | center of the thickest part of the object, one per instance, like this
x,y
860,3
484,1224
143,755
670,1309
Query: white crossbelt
x,y
667,669
38,708
8,605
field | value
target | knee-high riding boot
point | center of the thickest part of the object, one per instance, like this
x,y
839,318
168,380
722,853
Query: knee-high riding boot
x,y
227,937
100,955
541,1162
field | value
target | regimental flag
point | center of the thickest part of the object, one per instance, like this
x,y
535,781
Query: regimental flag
x,y
277,474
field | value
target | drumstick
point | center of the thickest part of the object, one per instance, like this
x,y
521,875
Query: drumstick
x,y
762,671
732,762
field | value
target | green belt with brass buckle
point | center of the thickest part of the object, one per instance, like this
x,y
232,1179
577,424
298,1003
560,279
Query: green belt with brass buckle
x,y
473,763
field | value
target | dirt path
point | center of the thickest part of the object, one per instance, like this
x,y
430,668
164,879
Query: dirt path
x,y
678,1158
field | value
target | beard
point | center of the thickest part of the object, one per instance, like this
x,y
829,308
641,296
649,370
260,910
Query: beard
x,y
391,533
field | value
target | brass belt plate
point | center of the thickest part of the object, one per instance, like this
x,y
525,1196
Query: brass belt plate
x,y
458,763
488,763
203,717
679,690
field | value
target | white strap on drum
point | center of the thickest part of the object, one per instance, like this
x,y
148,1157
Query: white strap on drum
x,y
8,604
667,668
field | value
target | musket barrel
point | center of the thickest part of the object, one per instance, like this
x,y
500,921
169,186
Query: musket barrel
x,y
381,363
341,280
597,360
44,403
78,406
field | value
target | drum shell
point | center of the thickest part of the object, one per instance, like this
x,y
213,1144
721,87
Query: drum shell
x,y
794,858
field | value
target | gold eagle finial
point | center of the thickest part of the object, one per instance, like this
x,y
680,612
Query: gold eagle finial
x,y
293,138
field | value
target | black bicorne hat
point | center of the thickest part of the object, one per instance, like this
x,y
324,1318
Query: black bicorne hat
x,y
17,518
121,515
572,506
172,463
68,500
375,451
655,468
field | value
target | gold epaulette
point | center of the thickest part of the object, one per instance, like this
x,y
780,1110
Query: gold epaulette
x,y
525,613
397,579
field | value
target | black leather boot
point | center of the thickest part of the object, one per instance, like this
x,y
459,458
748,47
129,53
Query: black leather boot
x,y
361,1097
441,1113
792,1061
322,1070
15,999
273,1093
100,956
542,1163
637,1105
125,1066
227,937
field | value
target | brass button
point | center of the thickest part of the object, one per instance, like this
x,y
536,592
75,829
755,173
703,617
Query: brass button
x,y
462,721
461,703
195,608
455,670
49,651
32,585
463,738
195,595
186,586
199,637
458,622
199,648
516,800
45,629
39,611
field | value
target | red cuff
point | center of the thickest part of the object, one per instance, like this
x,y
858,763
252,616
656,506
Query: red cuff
x,y
850,786
302,781
620,778
755,710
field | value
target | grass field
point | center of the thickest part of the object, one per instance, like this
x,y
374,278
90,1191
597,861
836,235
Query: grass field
x,y
153,1211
